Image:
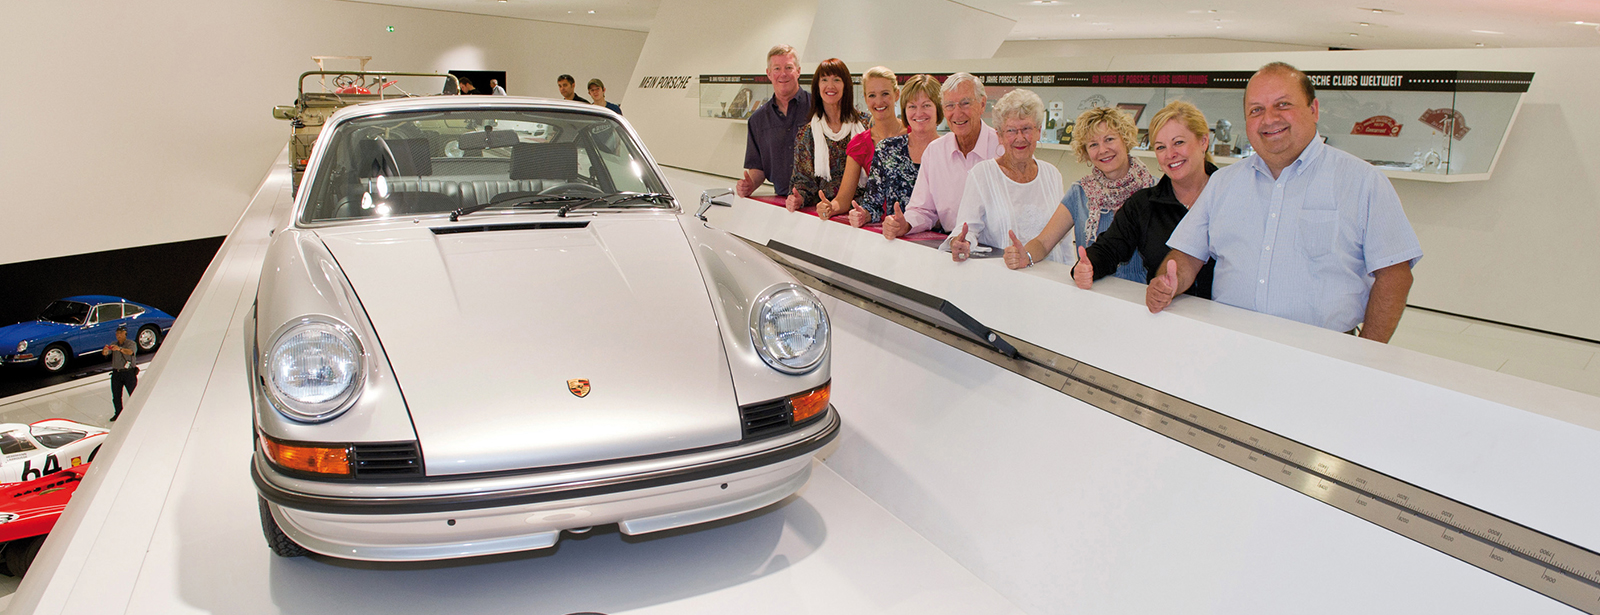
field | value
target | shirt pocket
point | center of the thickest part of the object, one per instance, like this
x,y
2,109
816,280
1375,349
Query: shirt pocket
x,y
1318,229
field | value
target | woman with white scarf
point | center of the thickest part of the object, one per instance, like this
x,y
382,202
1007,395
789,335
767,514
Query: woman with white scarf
x,y
820,147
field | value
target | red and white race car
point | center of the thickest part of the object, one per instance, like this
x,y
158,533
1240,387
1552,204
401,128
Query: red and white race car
x,y
28,511
43,448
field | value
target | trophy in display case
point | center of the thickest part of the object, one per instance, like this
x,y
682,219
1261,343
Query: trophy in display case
x,y
1222,138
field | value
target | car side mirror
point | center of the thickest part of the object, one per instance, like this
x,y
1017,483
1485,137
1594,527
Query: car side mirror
x,y
707,199
284,112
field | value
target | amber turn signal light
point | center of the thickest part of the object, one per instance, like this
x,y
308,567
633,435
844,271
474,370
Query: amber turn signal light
x,y
314,459
810,403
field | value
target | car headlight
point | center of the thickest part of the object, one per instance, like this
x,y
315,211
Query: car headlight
x,y
314,370
789,329
22,345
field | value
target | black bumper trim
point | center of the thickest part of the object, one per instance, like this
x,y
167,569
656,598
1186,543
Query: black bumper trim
x,y
542,493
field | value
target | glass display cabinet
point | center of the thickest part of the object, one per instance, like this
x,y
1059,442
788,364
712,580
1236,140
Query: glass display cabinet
x,y
1440,126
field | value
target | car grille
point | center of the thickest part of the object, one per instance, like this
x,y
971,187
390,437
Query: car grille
x,y
386,460
766,418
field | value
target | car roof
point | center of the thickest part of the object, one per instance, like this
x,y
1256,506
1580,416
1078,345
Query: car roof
x,y
96,299
421,103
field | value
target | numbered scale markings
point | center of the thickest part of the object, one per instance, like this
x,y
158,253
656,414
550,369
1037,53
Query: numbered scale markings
x,y
1558,569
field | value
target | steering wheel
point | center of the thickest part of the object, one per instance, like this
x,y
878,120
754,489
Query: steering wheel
x,y
569,186
345,81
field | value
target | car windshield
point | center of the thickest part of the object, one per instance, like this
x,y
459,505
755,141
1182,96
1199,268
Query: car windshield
x,y
65,312
431,162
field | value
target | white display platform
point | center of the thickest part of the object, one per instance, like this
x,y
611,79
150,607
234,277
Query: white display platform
x,y
956,487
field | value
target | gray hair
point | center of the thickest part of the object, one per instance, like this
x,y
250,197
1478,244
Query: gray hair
x,y
1022,104
954,81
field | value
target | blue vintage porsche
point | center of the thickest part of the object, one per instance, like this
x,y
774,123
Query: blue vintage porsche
x,y
78,326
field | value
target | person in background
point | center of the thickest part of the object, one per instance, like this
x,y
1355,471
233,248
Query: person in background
x,y
495,89
880,88
1181,140
819,148
597,91
124,374
1013,195
466,86
567,85
1301,230
942,178
896,160
771,129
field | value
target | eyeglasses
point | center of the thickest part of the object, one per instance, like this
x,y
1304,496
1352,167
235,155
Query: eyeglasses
x,y
965,104
1018,132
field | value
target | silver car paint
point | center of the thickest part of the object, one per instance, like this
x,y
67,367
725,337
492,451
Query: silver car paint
x,y
431,536
735,274
301,278
484,330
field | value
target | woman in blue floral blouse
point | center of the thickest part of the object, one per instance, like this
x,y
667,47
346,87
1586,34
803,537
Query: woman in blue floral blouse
x,y
896,159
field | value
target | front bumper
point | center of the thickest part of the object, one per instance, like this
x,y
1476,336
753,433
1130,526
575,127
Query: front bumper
x,y
439,519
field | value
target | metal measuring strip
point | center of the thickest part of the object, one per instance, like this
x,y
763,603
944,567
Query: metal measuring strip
x,y
1561,570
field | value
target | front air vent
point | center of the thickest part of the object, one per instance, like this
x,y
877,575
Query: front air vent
x,y
386,460
766,418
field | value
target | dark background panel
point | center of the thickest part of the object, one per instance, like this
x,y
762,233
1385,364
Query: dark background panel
x,y
480,79
161,275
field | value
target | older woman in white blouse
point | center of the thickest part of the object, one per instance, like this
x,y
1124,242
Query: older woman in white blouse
x,y
1013,195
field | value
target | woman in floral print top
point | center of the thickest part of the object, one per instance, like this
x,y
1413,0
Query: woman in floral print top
x,y
897,159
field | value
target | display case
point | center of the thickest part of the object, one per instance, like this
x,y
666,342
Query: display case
x,y
1444,126
735,97
1441,126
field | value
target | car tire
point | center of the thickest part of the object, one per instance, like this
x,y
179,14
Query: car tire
x,y
149,337
19,555
54,359
282,545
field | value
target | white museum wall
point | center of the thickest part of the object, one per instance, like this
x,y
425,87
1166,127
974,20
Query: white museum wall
x,y
1508,249
1138,46
142,123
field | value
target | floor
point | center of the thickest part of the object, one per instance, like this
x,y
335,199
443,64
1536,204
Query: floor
x,y
1554,360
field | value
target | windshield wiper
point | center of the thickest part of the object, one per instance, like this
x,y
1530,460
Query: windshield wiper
x,y
515,202
615,199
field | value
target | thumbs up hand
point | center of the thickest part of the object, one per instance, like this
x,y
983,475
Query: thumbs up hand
x,y
795,201
895,225
858,216
1016,255
826,208
1083,272
1159,294
960,248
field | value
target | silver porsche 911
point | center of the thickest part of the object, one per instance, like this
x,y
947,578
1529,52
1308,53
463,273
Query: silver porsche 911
x,y
488,321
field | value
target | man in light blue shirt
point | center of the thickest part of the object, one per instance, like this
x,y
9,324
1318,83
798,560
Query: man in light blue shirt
x,y
1301,230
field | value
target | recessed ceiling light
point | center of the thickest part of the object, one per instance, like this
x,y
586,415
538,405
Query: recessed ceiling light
x,y
1379,11
1478,44
1487,32
591,12
1043,2
1354,34
1365,24
1584,23
1211,10
1077,14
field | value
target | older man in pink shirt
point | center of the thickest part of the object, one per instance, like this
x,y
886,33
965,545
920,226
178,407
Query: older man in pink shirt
x,y
936,198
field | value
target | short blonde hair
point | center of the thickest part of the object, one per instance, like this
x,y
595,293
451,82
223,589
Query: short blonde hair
x,y
1020,103
783,50
925,85
1183,113
1115,120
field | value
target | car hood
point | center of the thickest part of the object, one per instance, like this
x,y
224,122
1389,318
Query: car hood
x,y
10,335
484,330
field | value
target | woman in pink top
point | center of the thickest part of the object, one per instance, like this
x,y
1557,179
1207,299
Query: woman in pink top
x,y
881,89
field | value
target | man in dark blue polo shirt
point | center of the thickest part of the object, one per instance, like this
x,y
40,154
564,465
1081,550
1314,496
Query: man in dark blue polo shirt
x,y
769,151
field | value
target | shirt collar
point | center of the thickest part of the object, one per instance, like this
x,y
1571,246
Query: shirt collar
x,y
988,142
1307,156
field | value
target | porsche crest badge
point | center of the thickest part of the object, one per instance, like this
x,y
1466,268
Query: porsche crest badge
x,y
578,386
